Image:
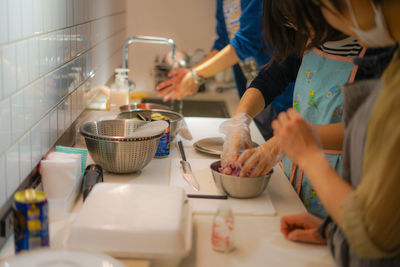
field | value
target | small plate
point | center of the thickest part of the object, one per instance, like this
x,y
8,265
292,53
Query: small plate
x,y
56,257
212,145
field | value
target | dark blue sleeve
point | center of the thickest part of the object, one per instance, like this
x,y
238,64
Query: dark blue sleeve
x,y
275,78
222,39
247,40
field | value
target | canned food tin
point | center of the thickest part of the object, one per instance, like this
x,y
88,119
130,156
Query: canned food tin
x,y
31,226
163,144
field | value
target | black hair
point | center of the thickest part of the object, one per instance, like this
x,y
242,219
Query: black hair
x,y
293,26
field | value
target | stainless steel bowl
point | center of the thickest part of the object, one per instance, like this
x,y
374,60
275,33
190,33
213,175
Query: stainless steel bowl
x,y
175,122
133,106
111,147
239,187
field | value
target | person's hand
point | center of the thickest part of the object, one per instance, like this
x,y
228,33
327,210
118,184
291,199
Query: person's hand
x,y
237,133
169,88
259,161
297,138
180,85
302,227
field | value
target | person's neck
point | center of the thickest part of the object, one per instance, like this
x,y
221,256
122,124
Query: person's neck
x,y
391,10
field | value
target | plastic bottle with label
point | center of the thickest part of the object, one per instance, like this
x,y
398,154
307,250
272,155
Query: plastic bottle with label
x,y
119,93
222,239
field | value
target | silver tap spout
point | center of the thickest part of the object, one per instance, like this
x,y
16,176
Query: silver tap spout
x,y
145,39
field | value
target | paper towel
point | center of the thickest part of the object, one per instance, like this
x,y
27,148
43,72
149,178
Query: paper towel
x,y
60,172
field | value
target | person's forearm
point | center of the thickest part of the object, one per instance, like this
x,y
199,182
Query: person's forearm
x,y
210,55
330,187
220,61
331,135
251,103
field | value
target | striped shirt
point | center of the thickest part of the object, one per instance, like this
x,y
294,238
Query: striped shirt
x,y
348,47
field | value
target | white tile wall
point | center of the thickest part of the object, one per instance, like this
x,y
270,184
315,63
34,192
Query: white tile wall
x,y
5,122
47,50
12,169
9,69
22,64
25,156
14,19
3,21
27,17
3,191
17,115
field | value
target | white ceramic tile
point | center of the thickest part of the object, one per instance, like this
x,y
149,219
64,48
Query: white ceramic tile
x,y
74,106
47,15
53,50
3,193
53,127
77,11
70,12
45,135
27,17
58,93
85,11
79,42
73,42
86,36
67,44
17,115
14,20
37,17
5,122
92,9
35,136
62,19
60,47
12,169
9,69
33,58
68,111
3,21
44,54
48,94
60,119
40,105
25,156
29,106
1,73
22,64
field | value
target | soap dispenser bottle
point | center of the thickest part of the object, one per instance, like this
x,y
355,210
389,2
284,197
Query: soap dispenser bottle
x,y
119,93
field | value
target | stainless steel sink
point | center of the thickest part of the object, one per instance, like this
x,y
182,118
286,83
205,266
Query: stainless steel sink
x,y
194,108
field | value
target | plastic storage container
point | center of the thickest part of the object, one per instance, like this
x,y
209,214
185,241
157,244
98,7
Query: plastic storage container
x,y
135,221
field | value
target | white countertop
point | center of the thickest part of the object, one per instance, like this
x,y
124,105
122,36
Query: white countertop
x,y
258,241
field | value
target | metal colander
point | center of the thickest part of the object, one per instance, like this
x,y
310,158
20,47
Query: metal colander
x,y
111,147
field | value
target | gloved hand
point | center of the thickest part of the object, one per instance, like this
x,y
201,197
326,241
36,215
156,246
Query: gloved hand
x,y
180,85
259,161
238,137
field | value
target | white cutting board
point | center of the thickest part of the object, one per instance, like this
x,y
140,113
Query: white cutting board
x,y
261,205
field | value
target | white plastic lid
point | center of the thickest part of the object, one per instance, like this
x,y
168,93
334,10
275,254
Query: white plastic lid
x,y
121,70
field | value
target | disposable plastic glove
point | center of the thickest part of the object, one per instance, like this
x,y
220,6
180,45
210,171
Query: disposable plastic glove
x,y
259,161
237,133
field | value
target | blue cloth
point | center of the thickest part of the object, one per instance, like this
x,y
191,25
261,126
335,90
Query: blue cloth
x,y
242,20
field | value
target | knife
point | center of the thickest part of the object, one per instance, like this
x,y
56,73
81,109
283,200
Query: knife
x,y
187,170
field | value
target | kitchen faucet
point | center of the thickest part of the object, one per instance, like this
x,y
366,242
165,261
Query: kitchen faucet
x,y
145,39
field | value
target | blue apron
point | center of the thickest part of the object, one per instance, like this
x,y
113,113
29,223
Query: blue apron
x,y
317,97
